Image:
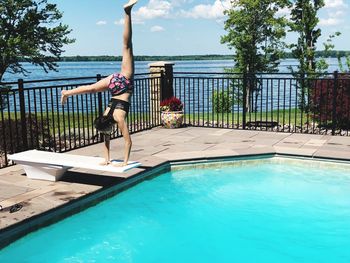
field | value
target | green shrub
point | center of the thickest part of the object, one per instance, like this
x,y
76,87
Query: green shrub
x,y
38,135
4,90
222,101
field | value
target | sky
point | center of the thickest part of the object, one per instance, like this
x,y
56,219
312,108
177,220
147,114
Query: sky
x,y
172,27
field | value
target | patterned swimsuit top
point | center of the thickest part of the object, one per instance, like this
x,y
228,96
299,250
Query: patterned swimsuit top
x,y
119,84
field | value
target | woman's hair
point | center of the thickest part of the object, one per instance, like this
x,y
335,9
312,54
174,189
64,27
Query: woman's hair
x,y
104,124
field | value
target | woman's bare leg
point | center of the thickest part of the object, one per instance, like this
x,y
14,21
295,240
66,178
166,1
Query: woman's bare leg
x,y
99,86
127,68
119,116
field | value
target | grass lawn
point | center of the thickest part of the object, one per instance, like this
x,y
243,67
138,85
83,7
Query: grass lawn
x,y
72,119
69,120
293,117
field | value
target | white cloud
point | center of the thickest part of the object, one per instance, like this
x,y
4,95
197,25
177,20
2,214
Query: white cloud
x,y
154,9
335,4
330,22
214,11
338,14
101,23
157,29
335,13
177,3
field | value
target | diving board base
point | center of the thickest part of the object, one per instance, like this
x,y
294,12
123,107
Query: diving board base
x,y
48,173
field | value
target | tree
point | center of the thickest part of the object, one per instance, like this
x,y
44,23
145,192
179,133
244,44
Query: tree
x,y
255,32
322,64
30,31
304,22
347,63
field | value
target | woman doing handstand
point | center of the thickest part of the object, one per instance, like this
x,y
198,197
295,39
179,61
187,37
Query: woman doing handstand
x,y
121,87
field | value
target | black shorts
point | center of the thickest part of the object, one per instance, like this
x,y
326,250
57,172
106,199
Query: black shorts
x,y
119,104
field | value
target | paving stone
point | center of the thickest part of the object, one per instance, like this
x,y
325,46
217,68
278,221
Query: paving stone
x,y
339,139
220,153
232,146
182,155
256,151
9,190
270,135
306,136
244,134
220,132
344,155
11,169
289,144
294,151
175,148
315,142
209,139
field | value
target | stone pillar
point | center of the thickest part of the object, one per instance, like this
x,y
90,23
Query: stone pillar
x,y
161,85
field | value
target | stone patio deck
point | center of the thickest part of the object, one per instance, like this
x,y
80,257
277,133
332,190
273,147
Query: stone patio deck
x,y
79,188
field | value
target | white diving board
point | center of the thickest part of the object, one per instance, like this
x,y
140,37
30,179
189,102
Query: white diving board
x,y
51,166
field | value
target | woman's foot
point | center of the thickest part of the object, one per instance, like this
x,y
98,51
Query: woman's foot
x,y
129,5
105,163
64,97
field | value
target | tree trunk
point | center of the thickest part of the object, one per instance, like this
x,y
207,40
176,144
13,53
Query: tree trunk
x,y
2,72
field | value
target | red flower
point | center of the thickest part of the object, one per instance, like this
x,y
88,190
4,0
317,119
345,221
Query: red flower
x,y
171,104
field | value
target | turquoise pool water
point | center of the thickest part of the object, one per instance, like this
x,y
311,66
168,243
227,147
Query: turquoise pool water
x,y
271,210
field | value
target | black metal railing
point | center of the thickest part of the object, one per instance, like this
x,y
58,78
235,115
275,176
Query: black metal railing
x,y
280,102
31,115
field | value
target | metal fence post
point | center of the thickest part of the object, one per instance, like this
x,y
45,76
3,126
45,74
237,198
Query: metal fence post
x,y
23,114
334,106
162,85
244,117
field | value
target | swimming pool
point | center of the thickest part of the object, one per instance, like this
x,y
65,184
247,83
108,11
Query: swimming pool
x,y
257,210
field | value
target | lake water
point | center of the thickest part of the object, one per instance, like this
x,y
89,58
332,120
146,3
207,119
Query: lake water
x,y
90,69
195,94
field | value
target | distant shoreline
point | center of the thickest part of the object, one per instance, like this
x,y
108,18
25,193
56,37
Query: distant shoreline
x,y
146,58
332,54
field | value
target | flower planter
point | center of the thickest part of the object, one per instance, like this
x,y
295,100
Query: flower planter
x,y
172,119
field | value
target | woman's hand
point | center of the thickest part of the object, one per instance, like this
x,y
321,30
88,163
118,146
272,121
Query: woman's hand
x,y
64,97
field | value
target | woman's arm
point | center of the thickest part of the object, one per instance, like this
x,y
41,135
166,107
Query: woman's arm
x,y
106,149
127,150
128,143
